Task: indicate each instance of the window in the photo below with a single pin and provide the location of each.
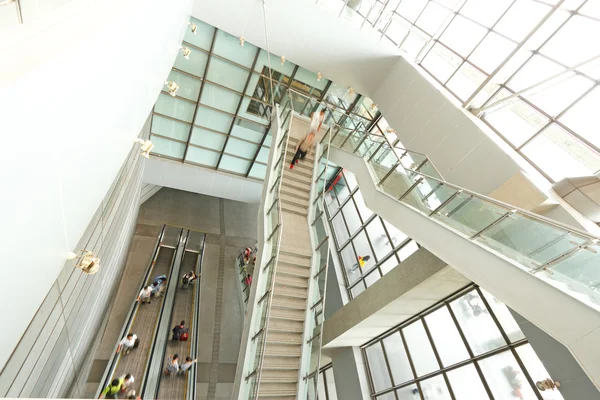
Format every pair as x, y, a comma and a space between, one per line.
446, 349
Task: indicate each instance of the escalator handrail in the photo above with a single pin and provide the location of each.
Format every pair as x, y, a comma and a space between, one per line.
112, 364
160, 315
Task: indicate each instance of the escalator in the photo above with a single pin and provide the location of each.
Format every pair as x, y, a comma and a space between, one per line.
176, 250
144, 318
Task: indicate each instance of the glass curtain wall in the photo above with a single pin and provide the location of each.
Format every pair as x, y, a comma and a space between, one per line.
219, 117
326, 384
466, 347
360, 232
530, 68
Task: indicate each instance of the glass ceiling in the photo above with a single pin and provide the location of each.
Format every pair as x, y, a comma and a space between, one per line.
219, 118
542, 56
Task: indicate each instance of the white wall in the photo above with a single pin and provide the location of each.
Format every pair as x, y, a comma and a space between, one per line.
77, 82
308, 35
192, 178
427, 121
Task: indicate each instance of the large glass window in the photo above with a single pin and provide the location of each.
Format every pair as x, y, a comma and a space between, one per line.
466, 347
226, 90
361, 233
485, 51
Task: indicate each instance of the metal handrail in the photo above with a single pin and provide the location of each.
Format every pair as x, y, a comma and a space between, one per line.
284, 142
112, 365
499, 203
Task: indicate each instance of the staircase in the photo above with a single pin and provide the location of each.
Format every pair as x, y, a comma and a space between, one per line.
281, 359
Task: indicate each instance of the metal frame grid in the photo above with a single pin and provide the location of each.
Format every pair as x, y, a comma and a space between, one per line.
259, 99
494, 68
342, 208
324, 384
508, 346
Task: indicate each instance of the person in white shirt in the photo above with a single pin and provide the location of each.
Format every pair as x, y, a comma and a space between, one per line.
305, 145
127, 382
127, 343
186, 365
145, 294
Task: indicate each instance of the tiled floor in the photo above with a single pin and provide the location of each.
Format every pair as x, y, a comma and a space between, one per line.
229, 224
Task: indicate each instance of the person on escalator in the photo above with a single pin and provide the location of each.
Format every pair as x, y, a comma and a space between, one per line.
173, 365
112, 390
145, 294
305, 145
188, 279
127, 343
179, 330
187, 365
127, 382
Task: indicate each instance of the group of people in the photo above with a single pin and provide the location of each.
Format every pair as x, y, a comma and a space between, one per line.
123, 386
246, 268
180, 333
155, 290
119, 387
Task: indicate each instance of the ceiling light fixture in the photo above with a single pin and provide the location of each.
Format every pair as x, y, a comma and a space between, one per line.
172, 87
242, 41
193, 27
282, 60
186, 52
319, 76
146, 146
88, 262
351, 91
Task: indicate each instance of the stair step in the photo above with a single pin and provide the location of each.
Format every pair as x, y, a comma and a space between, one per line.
289, 183
301, 169
284, 325
295, 254
277, 390
284, 268
275, 376
283, 350
289, 302
291, 281
291, 259
295, 193
281, 363
298, 210
297, 175
293, 200
290, 291
287, 313
285, 337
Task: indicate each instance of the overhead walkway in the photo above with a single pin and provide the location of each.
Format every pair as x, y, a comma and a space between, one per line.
177, 251
547, 271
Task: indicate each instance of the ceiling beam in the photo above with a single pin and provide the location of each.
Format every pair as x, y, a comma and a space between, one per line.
212, 46
237, 110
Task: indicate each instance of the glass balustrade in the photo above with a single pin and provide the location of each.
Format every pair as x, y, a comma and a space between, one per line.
568, 258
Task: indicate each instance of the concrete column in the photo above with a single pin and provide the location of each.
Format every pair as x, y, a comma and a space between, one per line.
350, 373
561, 365
417, 283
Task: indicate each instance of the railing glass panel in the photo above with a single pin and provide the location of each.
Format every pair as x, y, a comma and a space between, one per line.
571, 257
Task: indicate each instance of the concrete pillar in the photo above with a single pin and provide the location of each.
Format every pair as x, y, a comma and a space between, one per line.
350, 373
561, 365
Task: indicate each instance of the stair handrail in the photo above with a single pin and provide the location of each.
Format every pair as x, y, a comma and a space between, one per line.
274, 237
440, 179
